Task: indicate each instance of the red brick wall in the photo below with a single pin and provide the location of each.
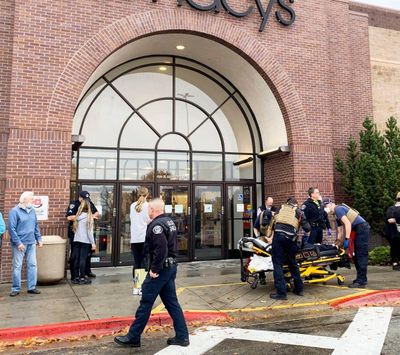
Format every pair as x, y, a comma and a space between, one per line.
310, 67
379, 16
6, 29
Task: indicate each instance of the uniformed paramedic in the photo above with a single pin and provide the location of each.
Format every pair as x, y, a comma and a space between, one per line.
71, 213
314, 212
161, 250
348, 221
284, 247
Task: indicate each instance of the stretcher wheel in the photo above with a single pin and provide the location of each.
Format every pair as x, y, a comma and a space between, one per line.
340, 280
243, 278
254, 284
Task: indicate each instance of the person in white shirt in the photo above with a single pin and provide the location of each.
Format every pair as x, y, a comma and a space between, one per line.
139, 220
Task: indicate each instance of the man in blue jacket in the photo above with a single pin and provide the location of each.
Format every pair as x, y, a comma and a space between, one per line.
24, 235
2, 229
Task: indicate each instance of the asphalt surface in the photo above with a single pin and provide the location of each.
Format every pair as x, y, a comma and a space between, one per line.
330, 323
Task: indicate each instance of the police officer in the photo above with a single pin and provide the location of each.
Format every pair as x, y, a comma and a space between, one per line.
348, 221
284, 247
260, 230
71, 213
161, 250
392, 232
316, 216
269, 201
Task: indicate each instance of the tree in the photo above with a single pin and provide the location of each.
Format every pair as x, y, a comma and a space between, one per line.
370, 173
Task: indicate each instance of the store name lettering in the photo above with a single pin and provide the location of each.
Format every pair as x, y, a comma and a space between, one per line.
285, 15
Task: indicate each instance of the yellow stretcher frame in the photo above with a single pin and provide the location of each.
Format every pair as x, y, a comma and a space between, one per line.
311, 271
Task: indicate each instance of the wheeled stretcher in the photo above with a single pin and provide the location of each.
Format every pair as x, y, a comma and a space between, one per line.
313, 262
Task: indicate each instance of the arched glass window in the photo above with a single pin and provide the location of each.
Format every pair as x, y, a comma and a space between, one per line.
166, 118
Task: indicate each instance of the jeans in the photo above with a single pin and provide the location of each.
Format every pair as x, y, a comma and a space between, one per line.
361, 253
163, 285
316, 236
284, 249
81, 252
31, 269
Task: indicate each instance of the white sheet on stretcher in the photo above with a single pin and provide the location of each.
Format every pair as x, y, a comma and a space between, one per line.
260, 263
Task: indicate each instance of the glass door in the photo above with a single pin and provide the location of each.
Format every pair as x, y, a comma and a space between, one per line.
177, 206
103, 197
240, 206
129, 193
208, 213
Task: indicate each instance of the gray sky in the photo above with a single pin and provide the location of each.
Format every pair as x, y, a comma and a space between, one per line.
392, 4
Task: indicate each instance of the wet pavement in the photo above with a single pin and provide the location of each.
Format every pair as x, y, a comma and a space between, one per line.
201, 286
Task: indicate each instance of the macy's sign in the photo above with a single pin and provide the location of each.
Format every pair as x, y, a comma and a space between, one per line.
285, 15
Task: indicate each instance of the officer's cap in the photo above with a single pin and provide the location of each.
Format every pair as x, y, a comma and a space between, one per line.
326, 201
84, 194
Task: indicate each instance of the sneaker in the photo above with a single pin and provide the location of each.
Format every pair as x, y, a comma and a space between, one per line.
135, 291
34, 291
91, 275
14, 293
75, 281
276, 296
84, 281
180, 342
357, 285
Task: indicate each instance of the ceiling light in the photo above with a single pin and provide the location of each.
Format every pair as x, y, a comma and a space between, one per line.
180, 47
162, 68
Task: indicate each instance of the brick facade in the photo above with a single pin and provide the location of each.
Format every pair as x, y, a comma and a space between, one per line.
318, 70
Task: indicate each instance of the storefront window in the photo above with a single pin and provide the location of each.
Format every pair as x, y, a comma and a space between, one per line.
96, 164
173, 166
136, 165
207, 167
235, 170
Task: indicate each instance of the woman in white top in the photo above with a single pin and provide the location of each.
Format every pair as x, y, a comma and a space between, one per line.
139, 220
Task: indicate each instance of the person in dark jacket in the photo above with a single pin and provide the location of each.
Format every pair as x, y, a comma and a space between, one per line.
161, 249
392, 232
284, 247
314, 213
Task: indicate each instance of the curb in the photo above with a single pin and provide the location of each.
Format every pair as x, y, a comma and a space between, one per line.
370, 299
98, 326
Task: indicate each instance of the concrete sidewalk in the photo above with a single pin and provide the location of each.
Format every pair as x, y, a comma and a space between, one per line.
212, 286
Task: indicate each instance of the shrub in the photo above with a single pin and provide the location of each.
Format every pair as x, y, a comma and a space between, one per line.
379, 256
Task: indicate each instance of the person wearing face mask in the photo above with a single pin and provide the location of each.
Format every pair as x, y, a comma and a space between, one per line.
316, 216
24, 235
355, 229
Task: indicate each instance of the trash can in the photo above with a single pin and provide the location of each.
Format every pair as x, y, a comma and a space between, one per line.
51, 259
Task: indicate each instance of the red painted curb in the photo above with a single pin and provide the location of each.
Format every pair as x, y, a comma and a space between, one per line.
96, 327
369, 299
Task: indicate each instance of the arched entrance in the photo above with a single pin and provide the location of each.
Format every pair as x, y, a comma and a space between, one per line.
184, 131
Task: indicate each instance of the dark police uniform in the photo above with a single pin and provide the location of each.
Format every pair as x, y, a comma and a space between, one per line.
362, 229
263, 220
161, 251
284, 247
72, 211
392, 234
318, 219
